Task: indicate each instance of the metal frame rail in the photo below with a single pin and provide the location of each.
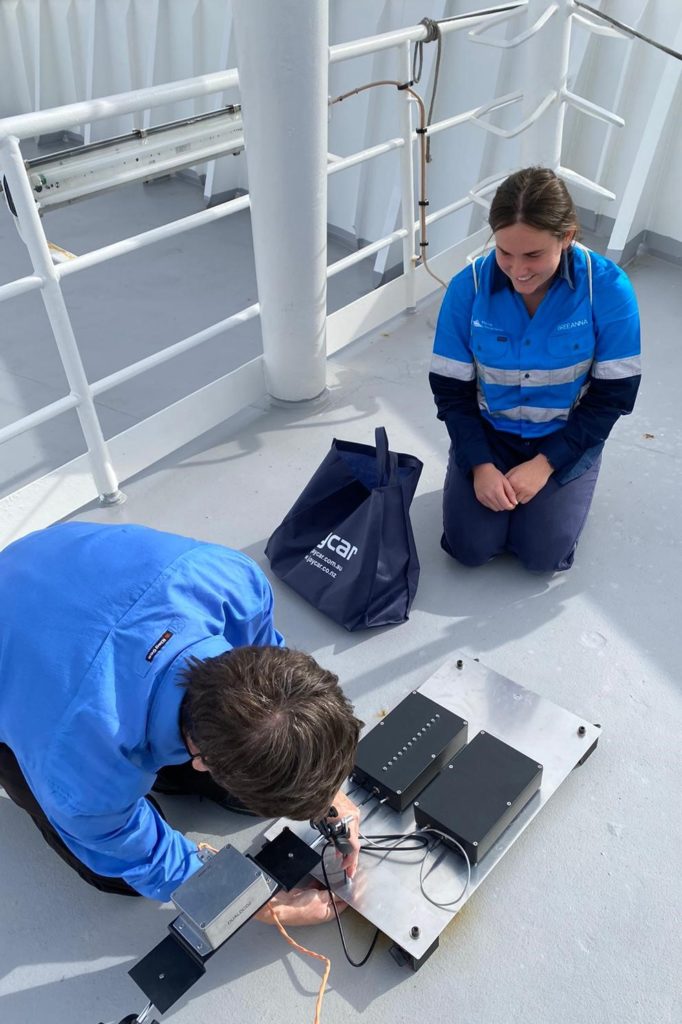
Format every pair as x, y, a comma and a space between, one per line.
107, 462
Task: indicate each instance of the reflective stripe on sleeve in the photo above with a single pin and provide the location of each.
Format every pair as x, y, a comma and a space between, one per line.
452, 368
614, 369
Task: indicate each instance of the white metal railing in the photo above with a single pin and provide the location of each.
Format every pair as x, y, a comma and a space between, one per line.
145, 443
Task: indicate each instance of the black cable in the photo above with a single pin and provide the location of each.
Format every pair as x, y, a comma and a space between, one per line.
397, 842
628, 29
353, 963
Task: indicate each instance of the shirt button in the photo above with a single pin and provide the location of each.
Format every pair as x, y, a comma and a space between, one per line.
526, 375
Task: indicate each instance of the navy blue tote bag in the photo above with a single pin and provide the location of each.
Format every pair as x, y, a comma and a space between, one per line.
346, 545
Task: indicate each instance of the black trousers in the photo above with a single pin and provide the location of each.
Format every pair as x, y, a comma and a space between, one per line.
13, 781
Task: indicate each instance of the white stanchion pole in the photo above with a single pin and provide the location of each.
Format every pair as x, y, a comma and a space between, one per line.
283, 70
34, 238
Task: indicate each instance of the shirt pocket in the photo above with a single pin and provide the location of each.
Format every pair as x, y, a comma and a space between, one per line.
571, 352
490, 346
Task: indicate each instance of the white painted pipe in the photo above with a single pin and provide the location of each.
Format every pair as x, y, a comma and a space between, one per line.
545, 72
57, 119
283, 72
36, 243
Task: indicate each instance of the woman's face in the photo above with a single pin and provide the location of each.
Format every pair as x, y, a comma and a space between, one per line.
529, 257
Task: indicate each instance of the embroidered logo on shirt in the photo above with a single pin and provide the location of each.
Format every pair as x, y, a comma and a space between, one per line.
484, 323
156, 647
572, 323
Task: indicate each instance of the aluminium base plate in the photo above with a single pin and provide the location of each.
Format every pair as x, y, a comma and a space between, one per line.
386, 888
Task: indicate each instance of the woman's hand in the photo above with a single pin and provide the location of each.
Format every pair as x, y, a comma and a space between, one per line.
493, 489
529, 478
300, 907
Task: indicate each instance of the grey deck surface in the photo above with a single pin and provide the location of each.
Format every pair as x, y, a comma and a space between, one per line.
579, 921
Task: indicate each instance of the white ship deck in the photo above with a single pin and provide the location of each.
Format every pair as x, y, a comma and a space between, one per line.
578, 921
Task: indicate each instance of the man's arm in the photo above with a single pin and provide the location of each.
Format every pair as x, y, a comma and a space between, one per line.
135, 844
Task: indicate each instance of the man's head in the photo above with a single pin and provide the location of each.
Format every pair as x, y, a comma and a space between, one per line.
273, 727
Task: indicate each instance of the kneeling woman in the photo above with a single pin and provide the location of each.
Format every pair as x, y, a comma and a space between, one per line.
536, 356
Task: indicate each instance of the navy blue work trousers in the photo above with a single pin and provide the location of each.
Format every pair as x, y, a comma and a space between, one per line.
543, 533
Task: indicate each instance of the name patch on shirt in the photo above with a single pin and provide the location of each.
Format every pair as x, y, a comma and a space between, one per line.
156, 647
572, 323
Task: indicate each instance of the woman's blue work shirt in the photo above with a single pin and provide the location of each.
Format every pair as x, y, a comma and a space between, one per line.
96, 626
555, 382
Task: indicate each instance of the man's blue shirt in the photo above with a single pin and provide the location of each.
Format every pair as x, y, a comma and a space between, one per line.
96, 626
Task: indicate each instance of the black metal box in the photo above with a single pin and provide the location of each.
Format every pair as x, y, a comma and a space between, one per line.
407, 748
479, 794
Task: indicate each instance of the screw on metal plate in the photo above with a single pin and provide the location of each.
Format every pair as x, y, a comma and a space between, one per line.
460, 663
381, 723
581, 730
475, 844
399, 792
416, 803
481, 733
508, 803
290, 855
414, 931
433, 757
450, 766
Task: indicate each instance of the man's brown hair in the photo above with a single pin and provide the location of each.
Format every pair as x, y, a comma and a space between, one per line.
273, 727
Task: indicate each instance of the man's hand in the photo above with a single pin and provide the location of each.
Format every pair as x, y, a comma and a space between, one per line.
493, 489
346, 808
300, 906
529, 478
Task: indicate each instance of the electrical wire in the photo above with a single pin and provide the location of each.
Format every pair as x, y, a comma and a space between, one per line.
627, 28
353, 963
421, 132
444, 904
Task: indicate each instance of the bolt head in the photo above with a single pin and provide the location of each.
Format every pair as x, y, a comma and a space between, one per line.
414, 931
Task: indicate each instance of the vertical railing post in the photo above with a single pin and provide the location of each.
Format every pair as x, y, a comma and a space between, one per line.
407, 183
34, 238
283, 63
546, 68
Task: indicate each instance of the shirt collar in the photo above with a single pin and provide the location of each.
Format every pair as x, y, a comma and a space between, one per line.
166, 743
499, 279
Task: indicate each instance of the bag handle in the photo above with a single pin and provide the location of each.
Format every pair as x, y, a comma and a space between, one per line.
387, 462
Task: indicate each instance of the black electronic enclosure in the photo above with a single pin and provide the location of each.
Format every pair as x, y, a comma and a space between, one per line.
479, 794
401, 754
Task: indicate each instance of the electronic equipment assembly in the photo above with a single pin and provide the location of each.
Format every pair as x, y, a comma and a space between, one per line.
407, 749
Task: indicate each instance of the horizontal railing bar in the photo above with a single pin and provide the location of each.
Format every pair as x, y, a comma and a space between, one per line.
470, 115
341, 163
135, 242
55, 119
445, 211
364, 252
415, 33
34, 419
142, 365
20, 286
